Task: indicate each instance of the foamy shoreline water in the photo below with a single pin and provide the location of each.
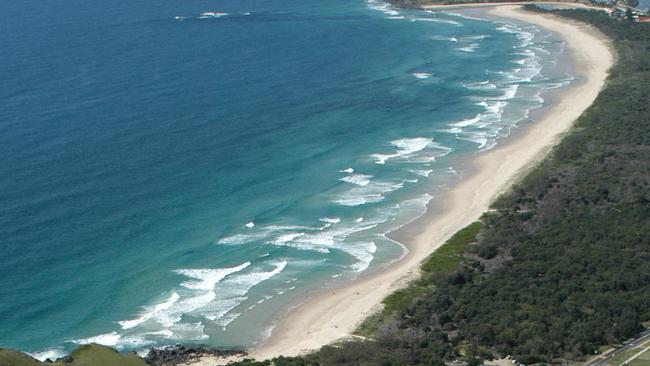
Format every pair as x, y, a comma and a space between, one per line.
327, 317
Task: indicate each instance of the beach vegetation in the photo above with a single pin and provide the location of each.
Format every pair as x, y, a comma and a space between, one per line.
442, 261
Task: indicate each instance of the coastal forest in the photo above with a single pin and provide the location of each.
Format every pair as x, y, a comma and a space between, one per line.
560, 267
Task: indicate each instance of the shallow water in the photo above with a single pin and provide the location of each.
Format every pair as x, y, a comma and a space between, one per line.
174, 175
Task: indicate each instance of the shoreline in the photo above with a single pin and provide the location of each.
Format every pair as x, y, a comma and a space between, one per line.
326, 317
559, 4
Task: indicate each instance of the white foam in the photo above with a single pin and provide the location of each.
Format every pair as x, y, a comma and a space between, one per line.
434, 151
422, 75
507, 28
280, 234
453, 130
218, 310
239, 285
485, 127
363, 252
273, 228
541, 50
107, 339
493, 106
250, 225
553, 85
470, 48
481, 85
477, 138
189, 331
465, 16
165, 333
525, 37
467, 122
479, 37
51, 353
242, 238
143, 352
509, 92
417, 205
286, 238
199, 293
334, 220
337, 238
443, 38
421, 172
360, 250
382, 6
307, 263
437, 20
370, 193
207, 278
229, 294
149, 313
405, 147
262, 234
212, 14
530, 68
357, 179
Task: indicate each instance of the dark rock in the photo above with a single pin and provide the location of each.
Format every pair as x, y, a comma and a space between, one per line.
174, 355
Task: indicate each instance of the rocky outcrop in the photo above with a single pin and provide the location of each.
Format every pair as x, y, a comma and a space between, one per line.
174, 355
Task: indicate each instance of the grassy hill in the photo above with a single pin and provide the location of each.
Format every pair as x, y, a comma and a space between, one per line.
87, 355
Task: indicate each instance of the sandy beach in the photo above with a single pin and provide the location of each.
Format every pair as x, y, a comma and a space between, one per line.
557, 4
330, 316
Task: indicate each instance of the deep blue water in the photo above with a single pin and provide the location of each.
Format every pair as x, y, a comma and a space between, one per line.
169, 176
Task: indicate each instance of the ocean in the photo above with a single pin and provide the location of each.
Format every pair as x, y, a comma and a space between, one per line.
644, 5
186, 171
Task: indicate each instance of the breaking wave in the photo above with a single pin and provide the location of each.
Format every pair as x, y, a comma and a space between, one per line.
382, 6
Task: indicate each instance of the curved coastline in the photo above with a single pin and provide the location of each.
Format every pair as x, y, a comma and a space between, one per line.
335, 314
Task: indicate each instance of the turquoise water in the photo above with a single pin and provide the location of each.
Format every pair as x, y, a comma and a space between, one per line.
173, 175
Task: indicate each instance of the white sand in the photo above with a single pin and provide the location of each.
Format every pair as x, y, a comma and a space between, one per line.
331, 316
557, 4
